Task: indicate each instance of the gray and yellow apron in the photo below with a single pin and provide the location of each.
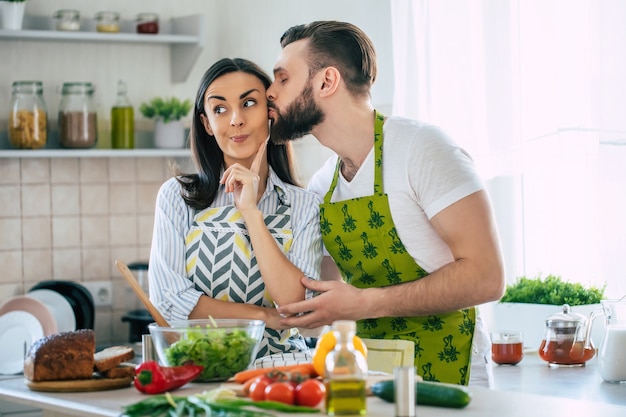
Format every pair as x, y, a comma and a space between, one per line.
362, 239
221, 263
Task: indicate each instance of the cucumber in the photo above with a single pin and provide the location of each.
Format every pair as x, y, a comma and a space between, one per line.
427, 393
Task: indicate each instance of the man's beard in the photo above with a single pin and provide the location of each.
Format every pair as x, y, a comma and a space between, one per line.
299, 118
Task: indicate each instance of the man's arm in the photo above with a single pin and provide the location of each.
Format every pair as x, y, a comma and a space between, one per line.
475, 276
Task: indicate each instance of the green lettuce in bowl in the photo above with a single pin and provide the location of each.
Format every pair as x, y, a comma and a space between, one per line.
223, 346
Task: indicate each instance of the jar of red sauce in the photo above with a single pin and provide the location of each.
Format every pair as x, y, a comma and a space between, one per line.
148, 23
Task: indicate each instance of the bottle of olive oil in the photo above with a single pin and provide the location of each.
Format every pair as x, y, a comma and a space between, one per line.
122, 120
345, 373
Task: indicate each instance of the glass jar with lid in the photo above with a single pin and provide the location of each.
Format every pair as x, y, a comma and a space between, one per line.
28, 116
148, 23
68, 20
108, 22
77, 115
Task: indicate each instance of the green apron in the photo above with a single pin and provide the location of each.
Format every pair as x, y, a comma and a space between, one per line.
362, 239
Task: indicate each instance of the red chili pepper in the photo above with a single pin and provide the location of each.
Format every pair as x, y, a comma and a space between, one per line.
152, 378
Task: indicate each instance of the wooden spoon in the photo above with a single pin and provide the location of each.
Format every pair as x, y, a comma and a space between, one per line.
130, 278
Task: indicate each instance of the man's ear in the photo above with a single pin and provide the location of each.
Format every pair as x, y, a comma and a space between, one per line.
330, 81
207, 125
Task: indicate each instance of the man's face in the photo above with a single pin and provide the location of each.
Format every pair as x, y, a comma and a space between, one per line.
292, 105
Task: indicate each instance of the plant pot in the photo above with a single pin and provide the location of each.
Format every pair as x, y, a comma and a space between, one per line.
169, 135
11, 14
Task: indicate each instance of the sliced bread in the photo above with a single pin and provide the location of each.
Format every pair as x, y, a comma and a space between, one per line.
111, 357
123, 370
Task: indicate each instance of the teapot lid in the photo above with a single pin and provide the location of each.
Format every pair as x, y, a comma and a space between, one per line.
565, 318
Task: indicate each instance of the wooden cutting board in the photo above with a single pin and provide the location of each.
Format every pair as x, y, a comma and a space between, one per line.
80, 385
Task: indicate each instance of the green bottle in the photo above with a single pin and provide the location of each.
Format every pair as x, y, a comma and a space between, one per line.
122, 120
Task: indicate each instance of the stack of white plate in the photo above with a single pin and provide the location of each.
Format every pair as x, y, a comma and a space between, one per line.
23, 321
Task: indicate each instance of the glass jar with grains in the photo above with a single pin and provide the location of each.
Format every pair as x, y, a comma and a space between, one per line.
108, 22
77, 116
28, 116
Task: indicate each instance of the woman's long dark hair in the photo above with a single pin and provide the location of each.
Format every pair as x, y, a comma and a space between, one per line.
199, 189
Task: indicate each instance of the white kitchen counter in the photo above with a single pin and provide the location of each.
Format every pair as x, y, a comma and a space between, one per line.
485, 402
533, 375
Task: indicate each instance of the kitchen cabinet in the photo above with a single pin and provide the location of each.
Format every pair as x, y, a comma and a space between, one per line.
183, 35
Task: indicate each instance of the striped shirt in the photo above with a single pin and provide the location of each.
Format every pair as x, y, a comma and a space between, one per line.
171, 291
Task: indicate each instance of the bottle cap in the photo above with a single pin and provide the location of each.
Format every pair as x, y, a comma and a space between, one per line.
404, 381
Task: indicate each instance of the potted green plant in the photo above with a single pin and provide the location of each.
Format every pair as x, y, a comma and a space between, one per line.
169, 131
12, 14
529, 301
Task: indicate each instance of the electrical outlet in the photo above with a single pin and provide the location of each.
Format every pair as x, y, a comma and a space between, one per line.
101, 291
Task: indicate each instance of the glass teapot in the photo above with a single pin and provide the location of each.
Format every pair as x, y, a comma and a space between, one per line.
566, 341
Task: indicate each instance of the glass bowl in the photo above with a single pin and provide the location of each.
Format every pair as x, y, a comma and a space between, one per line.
223, 346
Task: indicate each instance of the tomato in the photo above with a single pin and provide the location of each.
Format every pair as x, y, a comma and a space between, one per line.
280, 391
257, 387
310, 393
325, 344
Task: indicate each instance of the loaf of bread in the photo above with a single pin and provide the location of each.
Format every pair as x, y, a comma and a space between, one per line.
61, 356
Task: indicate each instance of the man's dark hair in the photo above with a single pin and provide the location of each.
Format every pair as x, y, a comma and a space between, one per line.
341, 45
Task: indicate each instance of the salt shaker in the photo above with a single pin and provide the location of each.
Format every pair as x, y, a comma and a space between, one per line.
404, 381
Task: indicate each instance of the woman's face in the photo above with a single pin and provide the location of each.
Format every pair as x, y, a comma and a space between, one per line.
236, 114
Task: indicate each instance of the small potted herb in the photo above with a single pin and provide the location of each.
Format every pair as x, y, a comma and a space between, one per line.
551, 290
169, 131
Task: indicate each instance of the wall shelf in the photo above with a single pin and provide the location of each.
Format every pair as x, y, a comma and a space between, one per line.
94, 153
184, 36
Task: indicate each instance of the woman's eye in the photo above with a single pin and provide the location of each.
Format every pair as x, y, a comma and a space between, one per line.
249, 103
219, 110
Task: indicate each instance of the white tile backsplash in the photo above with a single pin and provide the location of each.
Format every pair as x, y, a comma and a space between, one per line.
94, 198
36, 233
35, 170
10, 171
9, 200
36, 200
65, 199
11, 232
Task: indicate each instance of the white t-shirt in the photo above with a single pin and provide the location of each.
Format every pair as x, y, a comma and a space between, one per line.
424, 172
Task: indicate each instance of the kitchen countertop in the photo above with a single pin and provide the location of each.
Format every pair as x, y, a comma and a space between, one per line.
522, 390
533, 375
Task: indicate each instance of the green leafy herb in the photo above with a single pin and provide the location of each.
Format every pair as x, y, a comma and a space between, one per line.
207, 404
165, 109
551, 290
222, 353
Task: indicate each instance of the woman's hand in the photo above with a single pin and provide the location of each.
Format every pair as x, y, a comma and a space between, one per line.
244, 182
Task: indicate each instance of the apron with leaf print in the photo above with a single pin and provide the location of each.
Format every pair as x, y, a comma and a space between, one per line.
221, 263
362, 239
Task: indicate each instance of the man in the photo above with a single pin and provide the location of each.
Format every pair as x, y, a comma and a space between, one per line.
405, 217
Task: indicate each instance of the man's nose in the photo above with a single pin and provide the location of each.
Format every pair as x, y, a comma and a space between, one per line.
270, 93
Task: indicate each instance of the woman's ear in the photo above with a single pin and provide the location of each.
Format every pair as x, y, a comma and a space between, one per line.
330, 81
207, 125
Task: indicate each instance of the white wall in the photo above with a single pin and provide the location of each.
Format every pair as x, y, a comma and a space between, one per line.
234, 28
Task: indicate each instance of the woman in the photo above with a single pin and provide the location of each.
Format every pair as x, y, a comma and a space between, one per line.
234, 239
